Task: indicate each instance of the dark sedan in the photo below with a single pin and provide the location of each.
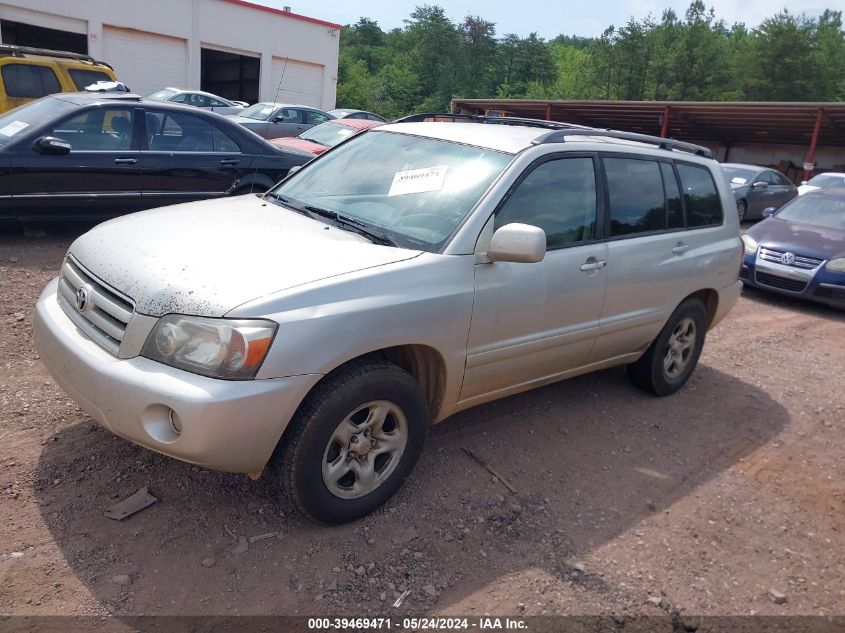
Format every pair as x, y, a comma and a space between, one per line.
756, 188
800, 249
85, 156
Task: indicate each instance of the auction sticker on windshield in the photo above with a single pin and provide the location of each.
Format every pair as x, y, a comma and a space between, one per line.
418, 181
13, 128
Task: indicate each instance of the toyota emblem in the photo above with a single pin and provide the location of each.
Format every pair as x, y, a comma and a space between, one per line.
82, 298
787, 259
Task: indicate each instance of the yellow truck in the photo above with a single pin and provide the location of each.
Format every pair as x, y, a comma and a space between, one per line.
30, 73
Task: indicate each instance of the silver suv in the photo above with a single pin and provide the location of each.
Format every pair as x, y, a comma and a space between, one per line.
416, 270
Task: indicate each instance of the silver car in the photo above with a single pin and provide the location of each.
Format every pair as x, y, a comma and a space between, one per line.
278, 120
315, 332
198, 99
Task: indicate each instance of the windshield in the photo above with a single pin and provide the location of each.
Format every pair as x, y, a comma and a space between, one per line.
161, 95
827, 180
259, 111
414, 190
816, 209
739, 175
30, 115
328, 134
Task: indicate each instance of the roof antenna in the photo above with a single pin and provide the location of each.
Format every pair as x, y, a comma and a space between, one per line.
275, 100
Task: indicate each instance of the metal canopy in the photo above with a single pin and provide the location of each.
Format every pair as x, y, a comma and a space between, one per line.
724, 122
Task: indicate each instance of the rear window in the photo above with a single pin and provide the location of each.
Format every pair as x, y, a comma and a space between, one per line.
700, 196
29, 81
82, 77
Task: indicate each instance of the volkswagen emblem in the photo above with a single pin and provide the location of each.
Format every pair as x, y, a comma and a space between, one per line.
787, 259
82, 298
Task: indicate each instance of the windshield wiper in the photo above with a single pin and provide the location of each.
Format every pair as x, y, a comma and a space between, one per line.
352, 224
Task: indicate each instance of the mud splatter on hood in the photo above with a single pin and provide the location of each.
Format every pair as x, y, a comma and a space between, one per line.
206, 258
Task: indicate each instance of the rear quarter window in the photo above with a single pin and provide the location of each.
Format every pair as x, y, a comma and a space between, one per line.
82, 77
701, 198
29, 81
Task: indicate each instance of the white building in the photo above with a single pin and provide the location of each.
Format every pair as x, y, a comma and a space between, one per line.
233, 48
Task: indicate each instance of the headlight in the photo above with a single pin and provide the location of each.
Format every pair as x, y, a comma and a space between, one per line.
220, 348
836, 265
750, 244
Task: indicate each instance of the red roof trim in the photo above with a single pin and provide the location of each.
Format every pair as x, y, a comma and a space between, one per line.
288, 14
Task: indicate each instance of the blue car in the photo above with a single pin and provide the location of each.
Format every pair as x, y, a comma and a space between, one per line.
799, 250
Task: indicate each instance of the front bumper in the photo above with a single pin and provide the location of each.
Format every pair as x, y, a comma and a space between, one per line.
223, 425
821, 287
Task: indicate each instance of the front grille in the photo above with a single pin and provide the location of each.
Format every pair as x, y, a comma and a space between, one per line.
805, 263
793, 285
106, 314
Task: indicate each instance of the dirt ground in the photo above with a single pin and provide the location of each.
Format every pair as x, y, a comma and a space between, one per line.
725, 499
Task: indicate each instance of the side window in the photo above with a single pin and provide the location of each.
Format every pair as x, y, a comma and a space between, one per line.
214, 103
180, 132
200, 101
674, 204
82, 77
182, 97
769, 177
315, 118
637, 204
289, 115
559, 196
223, 143
103, 130
700, 196
29, 81
781, 179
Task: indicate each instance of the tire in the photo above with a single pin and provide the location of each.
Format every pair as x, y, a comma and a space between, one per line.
741, 209
654, 372
332, 480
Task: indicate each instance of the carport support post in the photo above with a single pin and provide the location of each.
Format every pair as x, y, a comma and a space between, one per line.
548, 112
811, 153
664, 130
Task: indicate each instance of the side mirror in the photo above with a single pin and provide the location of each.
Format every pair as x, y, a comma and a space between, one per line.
520, 243
278, 119
51, 145
769, 212
760, 185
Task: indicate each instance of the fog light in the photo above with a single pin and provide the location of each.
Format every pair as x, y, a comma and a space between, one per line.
175, 422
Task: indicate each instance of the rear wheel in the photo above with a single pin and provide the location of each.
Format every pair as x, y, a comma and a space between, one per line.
741, 209
353, 442
671, 358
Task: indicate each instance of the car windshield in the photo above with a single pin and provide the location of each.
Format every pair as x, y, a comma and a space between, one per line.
739, 175
29, 115
328, 134
827, 180
161, 95
414, 190
816, 209
259, 111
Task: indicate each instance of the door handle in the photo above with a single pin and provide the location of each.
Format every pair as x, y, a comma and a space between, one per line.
592, 264
125, 161
229, 162
680, 248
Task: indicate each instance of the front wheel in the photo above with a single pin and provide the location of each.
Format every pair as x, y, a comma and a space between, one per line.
353, 442
671, 358
741, 209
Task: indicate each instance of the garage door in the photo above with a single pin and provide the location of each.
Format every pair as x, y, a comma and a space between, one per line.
144, 61
300, 82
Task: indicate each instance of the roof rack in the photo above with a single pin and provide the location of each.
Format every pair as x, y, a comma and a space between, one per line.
667, 144
14, 50
481, 118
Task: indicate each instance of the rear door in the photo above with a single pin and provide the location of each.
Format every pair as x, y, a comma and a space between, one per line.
100, 175
185, 157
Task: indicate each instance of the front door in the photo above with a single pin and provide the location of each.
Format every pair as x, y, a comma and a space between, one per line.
98, 177
533, 323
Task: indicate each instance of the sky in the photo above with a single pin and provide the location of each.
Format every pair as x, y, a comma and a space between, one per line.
547, 18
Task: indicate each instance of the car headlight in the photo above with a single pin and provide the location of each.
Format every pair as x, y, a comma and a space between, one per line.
836, 265
750, 244
219, 348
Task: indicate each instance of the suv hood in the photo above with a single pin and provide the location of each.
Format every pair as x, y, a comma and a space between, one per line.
802, 239
206, 258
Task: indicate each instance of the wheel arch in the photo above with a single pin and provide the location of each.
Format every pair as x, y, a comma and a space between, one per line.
710, 298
